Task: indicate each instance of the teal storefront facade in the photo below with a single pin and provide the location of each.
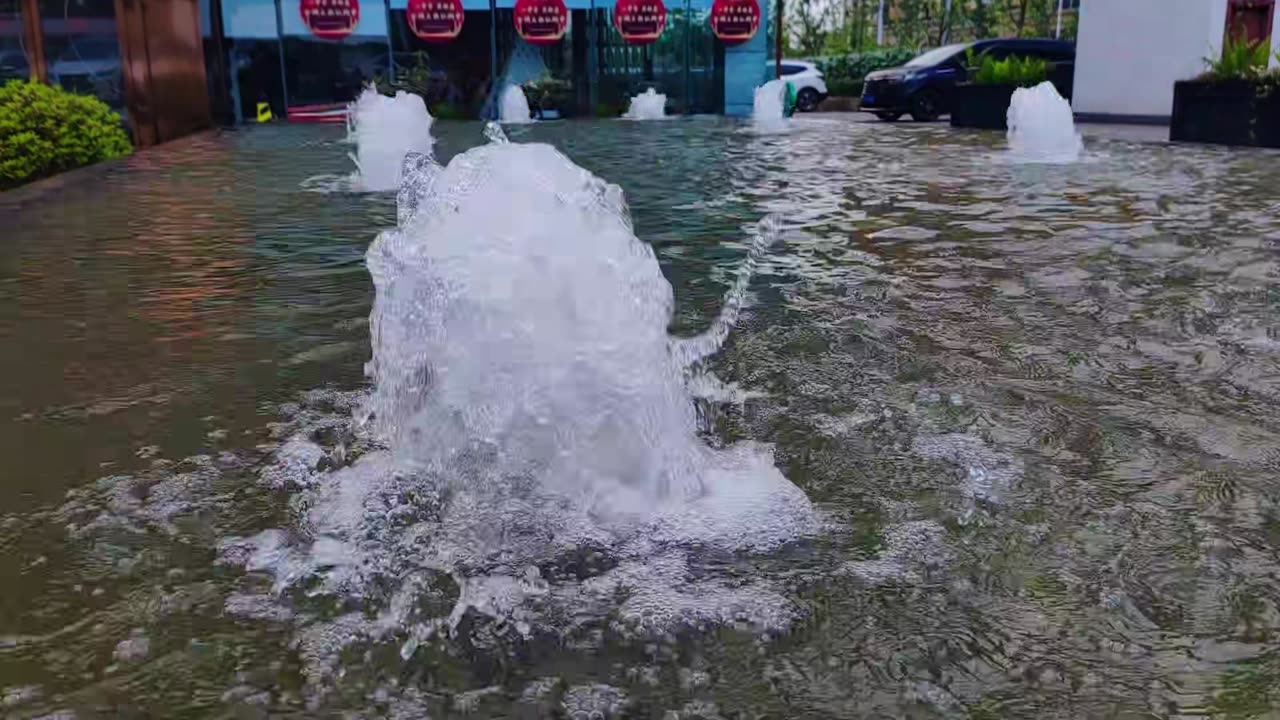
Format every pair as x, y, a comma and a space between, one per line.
263, 54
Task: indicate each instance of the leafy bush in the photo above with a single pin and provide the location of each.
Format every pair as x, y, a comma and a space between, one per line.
45, 130
1013, 70
853, 67
1240, 60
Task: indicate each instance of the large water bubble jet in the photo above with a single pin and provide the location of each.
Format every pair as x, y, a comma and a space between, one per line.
768, 111
384, 131
536, 452
1041, 126
513, 106
648, 105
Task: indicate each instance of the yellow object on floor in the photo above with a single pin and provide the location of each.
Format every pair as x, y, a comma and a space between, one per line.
264, 112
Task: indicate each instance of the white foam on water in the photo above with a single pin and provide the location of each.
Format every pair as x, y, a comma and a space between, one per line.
1041, 127
648, 105
385, 130
513, 106
768, 108
538, 459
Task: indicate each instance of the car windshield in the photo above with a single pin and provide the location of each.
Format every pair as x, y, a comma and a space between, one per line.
937, 55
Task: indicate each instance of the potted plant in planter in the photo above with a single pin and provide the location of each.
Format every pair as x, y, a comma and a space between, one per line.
1235, 102
983, 102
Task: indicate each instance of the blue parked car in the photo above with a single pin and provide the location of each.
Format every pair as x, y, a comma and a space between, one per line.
923, 87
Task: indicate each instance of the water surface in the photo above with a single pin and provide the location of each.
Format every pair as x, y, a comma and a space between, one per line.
1034, 403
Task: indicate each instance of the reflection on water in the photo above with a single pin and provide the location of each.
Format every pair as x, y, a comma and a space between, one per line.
1035, 404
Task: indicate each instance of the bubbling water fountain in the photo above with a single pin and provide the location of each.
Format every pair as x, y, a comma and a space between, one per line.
385, 130
513, 106
768, 112
542, 331
528, 406
648, 105
1041, 126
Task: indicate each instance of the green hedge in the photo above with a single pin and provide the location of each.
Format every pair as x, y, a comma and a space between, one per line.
45, 130
843, 71
844, 88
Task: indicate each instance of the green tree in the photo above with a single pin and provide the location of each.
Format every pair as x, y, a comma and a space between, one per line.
979, 17
807, 22
1016, 15
1043, 16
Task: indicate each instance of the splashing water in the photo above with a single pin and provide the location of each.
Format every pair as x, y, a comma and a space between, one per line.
768, 108
541, 333
534, 442
648, 105
513, 106
385, 130
1041, 126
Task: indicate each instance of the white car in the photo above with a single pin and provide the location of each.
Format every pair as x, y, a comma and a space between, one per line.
811, 89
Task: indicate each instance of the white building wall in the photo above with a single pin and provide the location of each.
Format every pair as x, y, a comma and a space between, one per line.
1275, 35
1130, 52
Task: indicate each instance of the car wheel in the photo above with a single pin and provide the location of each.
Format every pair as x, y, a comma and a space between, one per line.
888, 116
925, 106
807, 100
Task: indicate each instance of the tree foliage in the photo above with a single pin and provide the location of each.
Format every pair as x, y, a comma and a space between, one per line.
835, 27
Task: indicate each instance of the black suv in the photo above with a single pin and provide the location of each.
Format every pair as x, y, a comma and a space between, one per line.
923, 86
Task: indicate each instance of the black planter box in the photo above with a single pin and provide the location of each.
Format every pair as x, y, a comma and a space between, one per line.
981, 106
1225, 113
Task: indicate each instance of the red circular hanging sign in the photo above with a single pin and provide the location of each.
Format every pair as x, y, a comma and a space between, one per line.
541, 22
640, 22
735, 21
435, 20
330, 19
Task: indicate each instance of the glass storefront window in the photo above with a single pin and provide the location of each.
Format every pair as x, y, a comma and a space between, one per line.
276, 57
554, 77
253, 67
82, 48
324, 68
256, 78
332, 71
686, 63
13, 56
452, 76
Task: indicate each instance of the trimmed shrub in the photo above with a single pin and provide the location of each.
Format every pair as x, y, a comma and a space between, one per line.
844, 88
45, 130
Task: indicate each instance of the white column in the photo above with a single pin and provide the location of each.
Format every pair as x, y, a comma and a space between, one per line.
1275, 38
1058, 33
880, 24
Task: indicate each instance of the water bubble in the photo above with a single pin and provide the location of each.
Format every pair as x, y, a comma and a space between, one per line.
1041, 126
648, 105
768, 112
513, 106
385, 130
